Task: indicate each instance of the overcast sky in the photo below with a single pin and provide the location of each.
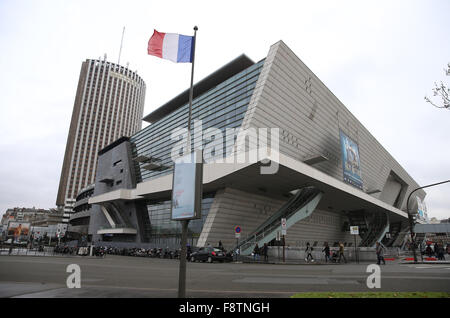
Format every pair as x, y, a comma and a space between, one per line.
380, 58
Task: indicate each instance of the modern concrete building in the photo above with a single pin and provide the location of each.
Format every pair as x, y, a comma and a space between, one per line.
109, 104
317, 166
79, 219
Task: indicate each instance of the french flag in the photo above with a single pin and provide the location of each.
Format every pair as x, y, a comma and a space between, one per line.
171, 46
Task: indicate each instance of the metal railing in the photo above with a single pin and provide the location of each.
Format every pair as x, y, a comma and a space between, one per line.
298, 201
117, 226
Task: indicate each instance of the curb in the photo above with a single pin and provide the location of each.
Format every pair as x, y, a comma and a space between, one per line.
427, 262
315, 263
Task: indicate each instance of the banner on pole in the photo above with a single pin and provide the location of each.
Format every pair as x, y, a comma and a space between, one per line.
187, 187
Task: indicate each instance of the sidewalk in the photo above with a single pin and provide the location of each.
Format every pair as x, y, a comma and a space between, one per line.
425, 262
250, 260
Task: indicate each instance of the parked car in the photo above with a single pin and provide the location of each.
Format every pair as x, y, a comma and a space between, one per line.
208, 254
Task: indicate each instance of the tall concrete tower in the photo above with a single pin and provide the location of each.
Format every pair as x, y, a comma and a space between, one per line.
109, 104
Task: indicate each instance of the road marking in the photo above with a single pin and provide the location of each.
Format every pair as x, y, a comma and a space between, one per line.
434, 267
295, 281
59, 288
191, 290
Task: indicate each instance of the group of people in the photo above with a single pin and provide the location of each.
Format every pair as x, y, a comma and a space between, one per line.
335, 257
264, 251
438, 251
379, 250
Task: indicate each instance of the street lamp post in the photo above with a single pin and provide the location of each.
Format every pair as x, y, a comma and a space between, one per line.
410, 217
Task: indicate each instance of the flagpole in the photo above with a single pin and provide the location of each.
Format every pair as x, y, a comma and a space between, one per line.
191, 91
121, 42
185, 223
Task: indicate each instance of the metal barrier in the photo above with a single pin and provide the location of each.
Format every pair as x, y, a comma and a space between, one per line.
35, 251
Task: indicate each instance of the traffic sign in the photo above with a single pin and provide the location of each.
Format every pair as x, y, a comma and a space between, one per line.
237, 232
354, 230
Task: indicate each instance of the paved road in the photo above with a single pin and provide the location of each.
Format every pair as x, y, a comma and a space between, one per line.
120, 276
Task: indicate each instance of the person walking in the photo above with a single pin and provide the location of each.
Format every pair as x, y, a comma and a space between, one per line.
436, 249
308, 252
256, 253
188, 251
326, 250
428, 250
341, 252
380, 255
441, 256
220, 246
266, 252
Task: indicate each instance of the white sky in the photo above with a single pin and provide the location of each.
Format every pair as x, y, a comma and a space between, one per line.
380, 58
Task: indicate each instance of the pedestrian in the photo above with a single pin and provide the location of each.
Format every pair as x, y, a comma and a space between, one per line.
341, 252
238, 251
188, 251
428, 250
326, 250
256, 253
220, 246
308, 252
266, 252
441, 256
436, 249
379, 250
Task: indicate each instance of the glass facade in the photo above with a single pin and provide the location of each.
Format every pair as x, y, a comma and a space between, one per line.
221, 107
164, 231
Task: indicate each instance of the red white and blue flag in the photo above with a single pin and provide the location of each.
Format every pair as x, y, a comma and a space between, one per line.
171, 46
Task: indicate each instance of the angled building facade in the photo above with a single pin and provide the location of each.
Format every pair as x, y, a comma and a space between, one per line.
109, 104
331, 173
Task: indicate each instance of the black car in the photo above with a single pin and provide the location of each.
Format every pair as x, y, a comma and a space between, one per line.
208, 254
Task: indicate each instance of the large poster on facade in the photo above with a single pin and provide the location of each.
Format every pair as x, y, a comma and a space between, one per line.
19, 231
187, 188
350, 161
422, 209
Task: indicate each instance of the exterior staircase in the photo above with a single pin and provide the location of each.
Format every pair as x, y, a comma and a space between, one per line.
299, 207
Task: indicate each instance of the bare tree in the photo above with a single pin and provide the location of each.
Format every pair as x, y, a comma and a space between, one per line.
443, 91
